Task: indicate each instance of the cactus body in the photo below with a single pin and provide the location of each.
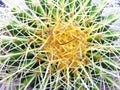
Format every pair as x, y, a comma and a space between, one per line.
60, 45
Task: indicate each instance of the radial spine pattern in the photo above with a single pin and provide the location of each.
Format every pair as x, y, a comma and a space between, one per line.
60, 45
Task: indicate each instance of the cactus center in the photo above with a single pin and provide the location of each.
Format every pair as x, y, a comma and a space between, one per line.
67, 45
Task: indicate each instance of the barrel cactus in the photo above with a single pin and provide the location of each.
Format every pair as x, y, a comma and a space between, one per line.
60, 45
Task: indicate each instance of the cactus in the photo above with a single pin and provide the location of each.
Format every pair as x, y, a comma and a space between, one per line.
60, 45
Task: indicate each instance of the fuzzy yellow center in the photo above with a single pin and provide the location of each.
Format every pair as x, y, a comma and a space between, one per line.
67, 45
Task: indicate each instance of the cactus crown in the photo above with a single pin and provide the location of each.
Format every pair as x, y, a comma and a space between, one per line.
60, 44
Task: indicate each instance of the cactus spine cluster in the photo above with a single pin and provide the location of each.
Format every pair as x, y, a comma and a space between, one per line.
60, 45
